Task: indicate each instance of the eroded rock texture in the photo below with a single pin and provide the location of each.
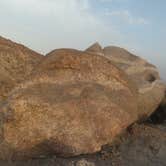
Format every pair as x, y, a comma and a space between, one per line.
142, 73
73, 104
141, 145
16, 64
95, 48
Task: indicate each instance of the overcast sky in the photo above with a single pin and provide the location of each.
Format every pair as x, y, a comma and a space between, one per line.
43, 25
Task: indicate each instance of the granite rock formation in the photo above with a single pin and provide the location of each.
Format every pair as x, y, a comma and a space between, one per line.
145, 76
71, 103
74, 103
16, 64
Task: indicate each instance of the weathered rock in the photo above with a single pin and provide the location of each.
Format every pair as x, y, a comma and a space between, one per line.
145, 146
159, 116
164, 100
16, 63
141, 145
73, 104
6, 84
143, 74
150, 97
96, 49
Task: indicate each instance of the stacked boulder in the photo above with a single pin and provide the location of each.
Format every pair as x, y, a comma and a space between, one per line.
146, 77
72, 102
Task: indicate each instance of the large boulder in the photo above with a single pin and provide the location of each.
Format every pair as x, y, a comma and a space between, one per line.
16, 63
143, 74
73, 104
137, 68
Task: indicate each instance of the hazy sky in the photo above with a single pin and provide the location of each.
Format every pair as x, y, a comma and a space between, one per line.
43, 25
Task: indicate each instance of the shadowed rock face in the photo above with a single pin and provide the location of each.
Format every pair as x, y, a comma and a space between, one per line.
16, 63
159, 116
73, 104
142, 73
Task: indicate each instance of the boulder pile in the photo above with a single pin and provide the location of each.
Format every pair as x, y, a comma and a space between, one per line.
71, 102
151, 90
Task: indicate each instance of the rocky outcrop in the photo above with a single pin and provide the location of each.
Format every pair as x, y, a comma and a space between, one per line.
146, 145
16, 63
150, 99
71, 103
6, 85
96, 49
141, 145
142, 73
74, 103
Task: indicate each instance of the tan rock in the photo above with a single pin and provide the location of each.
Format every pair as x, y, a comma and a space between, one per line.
164, 99
145, 76
73, 104
150, 97
6, 84
16, 63
137, 68
84, 162
96, 49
